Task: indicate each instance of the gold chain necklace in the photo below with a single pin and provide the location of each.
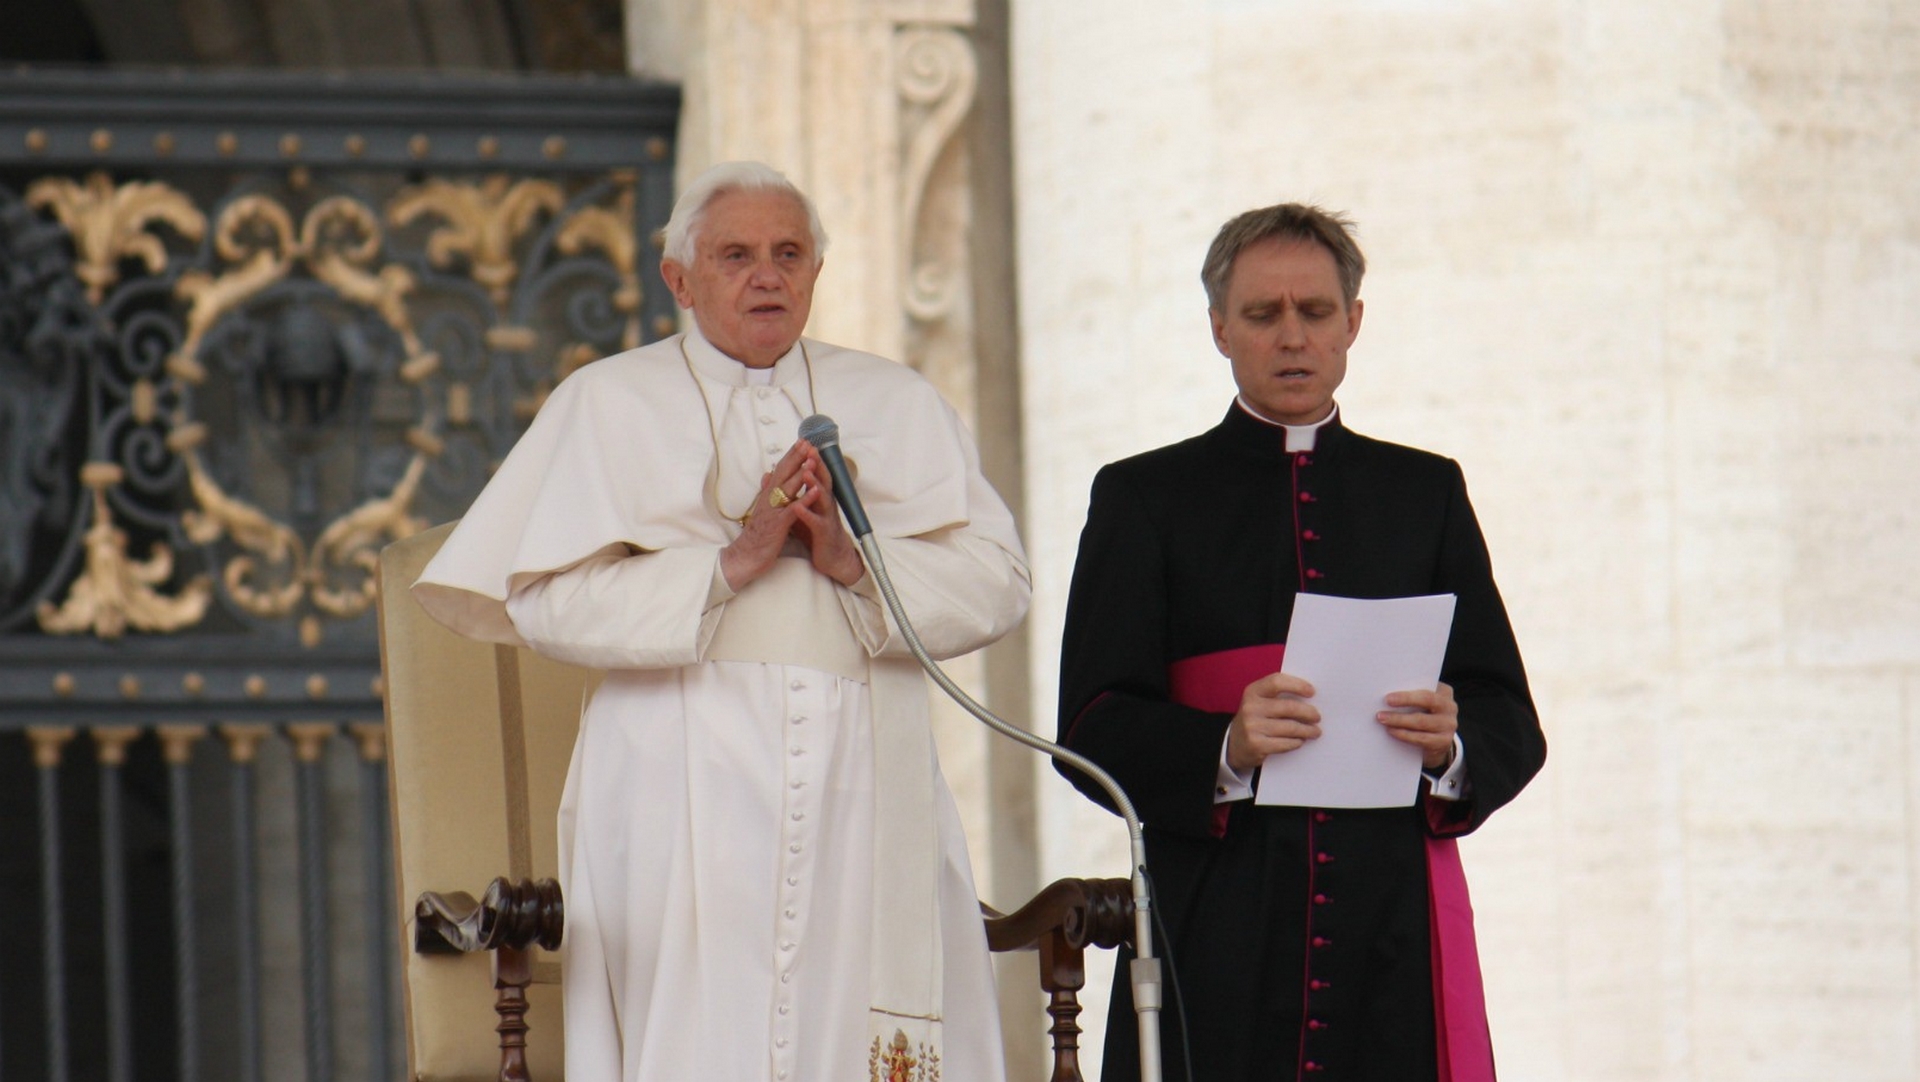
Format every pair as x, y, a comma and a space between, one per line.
713, 430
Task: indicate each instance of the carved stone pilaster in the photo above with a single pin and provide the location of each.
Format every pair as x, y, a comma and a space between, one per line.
936, 75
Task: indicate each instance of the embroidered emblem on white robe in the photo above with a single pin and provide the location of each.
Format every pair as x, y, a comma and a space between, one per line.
900, 1060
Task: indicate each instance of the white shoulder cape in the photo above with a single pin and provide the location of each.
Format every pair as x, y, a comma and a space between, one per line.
621, 451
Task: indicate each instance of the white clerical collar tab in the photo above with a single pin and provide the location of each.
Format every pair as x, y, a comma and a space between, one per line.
1299, 437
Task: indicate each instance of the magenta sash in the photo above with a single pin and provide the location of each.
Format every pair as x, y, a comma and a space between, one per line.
1465, 1051
1215, 683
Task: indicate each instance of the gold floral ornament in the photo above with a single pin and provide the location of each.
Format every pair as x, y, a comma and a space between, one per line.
109, 224
484, 221
116, 591
611, 230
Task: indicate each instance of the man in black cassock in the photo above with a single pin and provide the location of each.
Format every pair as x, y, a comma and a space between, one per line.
1309, 943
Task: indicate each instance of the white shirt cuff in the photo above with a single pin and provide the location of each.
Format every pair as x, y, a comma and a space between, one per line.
1451, 785
718, 591
1229, 784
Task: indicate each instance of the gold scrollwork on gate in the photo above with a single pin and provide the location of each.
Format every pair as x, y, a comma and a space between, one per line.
355, 538
250, 528
340, 239
611, 230
257, 235
258, 242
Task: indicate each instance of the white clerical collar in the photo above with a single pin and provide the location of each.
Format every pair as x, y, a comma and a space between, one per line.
712, 364
1299, 437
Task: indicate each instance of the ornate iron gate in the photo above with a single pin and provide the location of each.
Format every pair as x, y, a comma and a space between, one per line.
252, 328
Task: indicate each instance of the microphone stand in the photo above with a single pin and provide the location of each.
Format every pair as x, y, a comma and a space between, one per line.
1145, 970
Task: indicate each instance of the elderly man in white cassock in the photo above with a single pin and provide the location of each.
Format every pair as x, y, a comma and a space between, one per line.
765, 874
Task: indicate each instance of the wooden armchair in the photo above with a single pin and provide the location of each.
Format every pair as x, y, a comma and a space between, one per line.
479, 739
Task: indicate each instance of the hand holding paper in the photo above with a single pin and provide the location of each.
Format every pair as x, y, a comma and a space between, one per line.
1274, 718
1355, 653
1425, 719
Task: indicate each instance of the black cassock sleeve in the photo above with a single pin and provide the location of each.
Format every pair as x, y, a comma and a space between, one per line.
1499, 728
1114, 705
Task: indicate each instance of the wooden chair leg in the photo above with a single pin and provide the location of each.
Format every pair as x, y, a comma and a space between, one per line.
1063, 973
511, 975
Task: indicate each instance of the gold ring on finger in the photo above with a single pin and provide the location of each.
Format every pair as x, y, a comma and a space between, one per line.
778, 497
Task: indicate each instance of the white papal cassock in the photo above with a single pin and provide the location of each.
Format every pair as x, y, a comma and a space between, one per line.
764, 871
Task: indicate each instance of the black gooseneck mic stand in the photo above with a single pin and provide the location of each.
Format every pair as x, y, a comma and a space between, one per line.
1145, 977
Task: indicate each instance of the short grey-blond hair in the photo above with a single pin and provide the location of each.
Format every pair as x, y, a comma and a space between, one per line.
691, 209
1291, 221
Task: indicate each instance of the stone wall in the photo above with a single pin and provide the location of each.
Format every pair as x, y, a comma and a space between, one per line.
1647, 269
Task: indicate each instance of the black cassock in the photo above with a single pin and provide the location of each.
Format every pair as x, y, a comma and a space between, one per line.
1300, 935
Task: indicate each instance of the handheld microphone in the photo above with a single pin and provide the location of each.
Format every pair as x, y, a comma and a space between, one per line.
820, 431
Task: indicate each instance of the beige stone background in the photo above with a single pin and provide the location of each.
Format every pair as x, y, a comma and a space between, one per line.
1650, 269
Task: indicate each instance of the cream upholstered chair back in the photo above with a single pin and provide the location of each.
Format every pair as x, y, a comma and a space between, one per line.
479, 740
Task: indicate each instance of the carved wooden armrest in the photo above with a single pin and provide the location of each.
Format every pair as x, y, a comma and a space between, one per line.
513, 915
509, 920
1061, 922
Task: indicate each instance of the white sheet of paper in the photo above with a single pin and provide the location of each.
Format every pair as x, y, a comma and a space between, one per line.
1354, 652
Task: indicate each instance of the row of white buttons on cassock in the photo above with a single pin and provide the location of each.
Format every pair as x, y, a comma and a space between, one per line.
794, 860
795, 864
774, 450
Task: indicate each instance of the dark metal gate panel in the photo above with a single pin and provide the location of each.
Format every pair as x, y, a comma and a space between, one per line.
252, 328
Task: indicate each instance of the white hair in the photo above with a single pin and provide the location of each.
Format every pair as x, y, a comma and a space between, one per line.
691, 209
